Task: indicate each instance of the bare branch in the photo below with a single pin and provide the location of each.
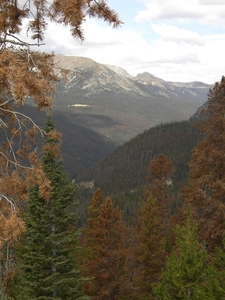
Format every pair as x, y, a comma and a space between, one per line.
16, 113
14, 162
9, 200
19, 43
6, 102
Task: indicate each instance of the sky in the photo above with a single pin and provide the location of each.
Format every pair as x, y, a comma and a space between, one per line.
176, 40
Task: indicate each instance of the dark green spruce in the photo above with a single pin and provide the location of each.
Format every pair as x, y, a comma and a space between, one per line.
47, 256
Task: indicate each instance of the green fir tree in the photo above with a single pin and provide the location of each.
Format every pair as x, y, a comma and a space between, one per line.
220, 264
188, 273
47, 264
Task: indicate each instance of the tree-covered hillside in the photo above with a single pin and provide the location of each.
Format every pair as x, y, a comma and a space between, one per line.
124, 171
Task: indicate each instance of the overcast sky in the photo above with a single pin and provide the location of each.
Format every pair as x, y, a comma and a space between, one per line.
176, 40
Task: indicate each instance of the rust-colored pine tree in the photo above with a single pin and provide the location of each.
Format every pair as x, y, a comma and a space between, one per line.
105, 258
27, 73
94, 208
159, 178
152, 227
159, 185
150, 250
87, 239
206, 191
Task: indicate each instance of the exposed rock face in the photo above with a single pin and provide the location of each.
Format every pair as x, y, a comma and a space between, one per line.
118, 70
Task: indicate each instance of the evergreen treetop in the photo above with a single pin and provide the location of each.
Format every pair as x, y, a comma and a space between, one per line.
47, 257
188, 273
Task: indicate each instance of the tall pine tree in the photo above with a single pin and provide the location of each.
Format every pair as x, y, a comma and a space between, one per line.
206, 191
152, 227
104, 258
150, 249
188, 273
47, 265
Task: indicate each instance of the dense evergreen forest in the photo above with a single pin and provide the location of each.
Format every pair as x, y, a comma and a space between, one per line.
126, 168
122, 174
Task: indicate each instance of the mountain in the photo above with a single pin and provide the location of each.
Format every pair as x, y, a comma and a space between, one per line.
109, 101
182, 90
101, 107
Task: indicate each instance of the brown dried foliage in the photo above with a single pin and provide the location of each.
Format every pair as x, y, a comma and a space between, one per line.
159, 179
25, 73
150, 248
152, 228
105, 253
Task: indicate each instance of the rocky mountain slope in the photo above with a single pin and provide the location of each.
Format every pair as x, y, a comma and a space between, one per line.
118, 106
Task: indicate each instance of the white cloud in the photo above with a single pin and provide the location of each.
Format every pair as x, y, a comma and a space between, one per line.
182, 62
105, 45
205, 11
169, 32
211, 2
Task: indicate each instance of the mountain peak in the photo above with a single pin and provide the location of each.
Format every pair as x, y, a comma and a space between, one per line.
118, 70
148, 75
147, 78
74, 62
